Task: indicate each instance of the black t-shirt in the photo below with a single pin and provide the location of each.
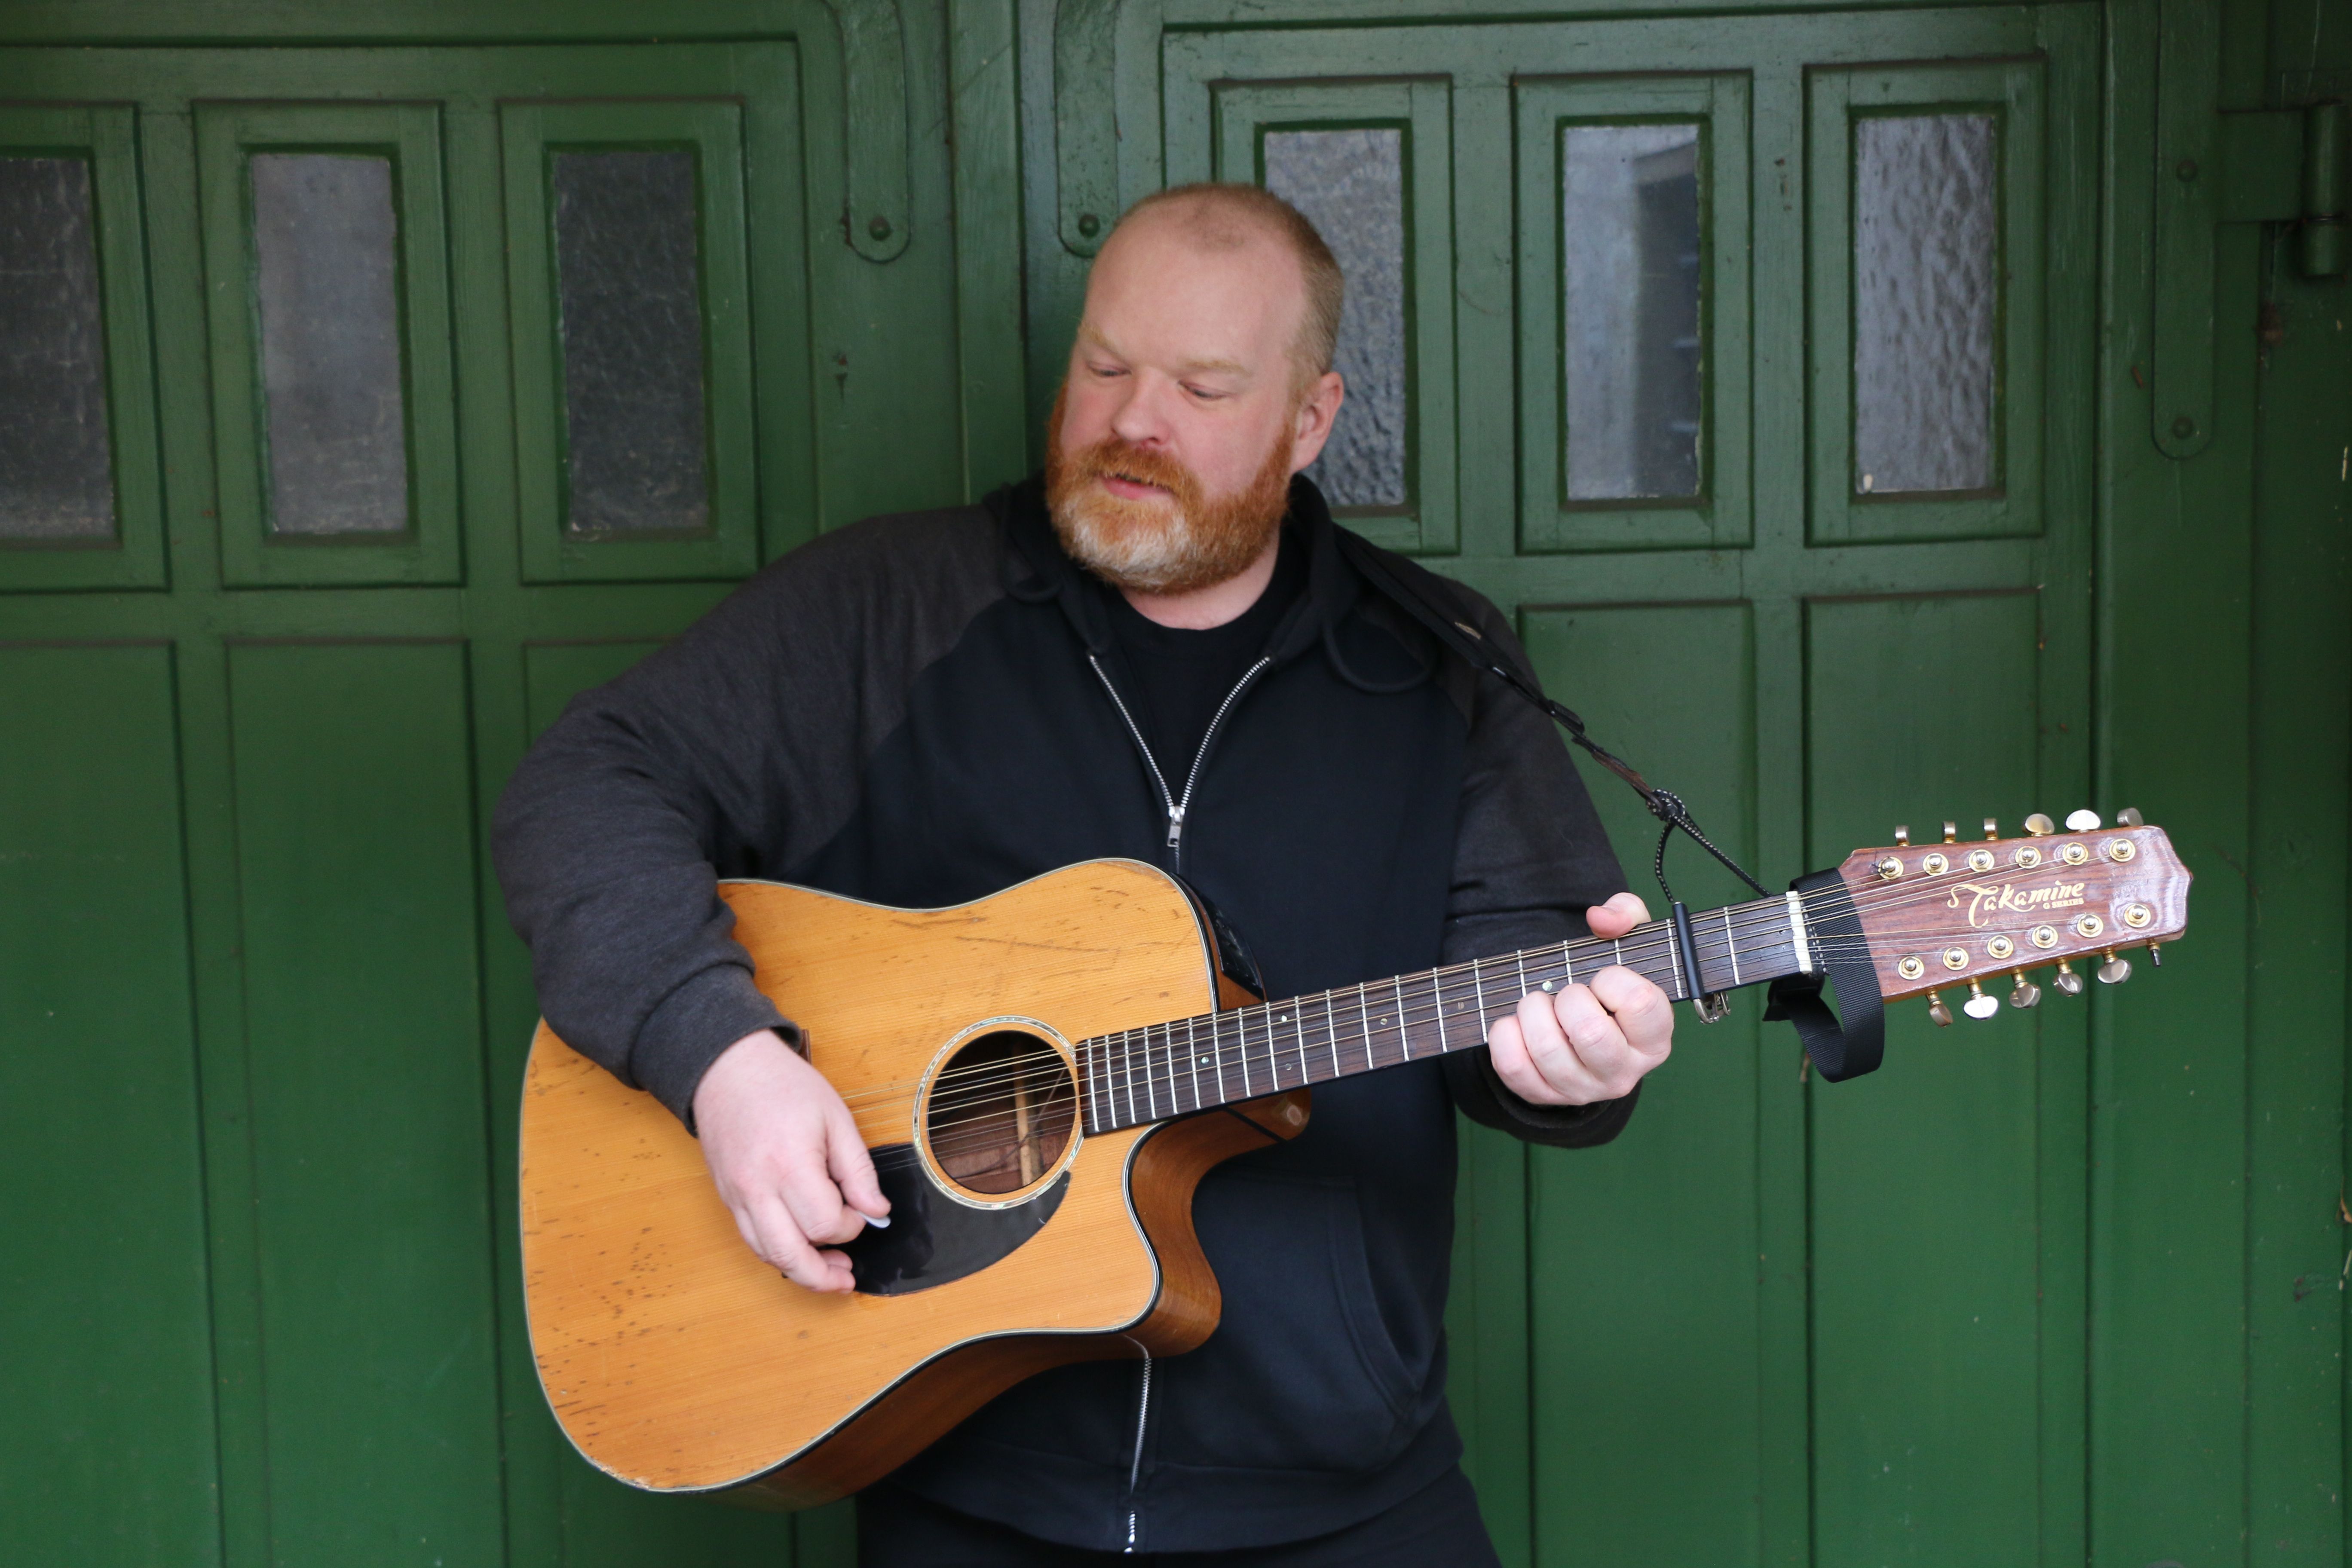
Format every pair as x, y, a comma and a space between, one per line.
1180, 677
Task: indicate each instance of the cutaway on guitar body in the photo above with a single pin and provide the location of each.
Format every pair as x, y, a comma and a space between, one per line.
676, 1361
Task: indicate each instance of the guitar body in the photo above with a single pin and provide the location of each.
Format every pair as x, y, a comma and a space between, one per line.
676, 1361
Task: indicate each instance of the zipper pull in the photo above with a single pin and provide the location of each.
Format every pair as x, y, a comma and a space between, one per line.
1175, 826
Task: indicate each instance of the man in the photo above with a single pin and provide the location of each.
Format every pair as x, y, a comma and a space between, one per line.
1160, 653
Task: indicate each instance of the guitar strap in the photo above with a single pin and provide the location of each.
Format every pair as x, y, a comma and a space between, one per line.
1838, 1050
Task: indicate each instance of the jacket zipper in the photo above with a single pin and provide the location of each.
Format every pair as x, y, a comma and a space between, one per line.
1135, 1465
1176, 804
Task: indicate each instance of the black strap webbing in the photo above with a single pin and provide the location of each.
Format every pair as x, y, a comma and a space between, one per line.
1839, 1051
1836, 1053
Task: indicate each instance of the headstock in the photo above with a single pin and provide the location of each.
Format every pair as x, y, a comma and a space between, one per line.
1957, 914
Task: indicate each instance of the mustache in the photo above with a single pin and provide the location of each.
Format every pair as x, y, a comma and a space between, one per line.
1113, 457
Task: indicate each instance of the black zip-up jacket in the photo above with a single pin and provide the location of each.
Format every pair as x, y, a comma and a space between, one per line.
919, 711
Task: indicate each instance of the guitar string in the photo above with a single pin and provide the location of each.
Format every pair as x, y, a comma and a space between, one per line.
1111, 1059
1119, 1074
1648, 942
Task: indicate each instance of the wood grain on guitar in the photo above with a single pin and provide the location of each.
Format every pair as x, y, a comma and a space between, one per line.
1050, 1072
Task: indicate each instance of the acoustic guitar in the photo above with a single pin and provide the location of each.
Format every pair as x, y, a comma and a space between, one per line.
1042, 1078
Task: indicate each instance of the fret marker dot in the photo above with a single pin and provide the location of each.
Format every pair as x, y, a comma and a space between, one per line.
1548, 987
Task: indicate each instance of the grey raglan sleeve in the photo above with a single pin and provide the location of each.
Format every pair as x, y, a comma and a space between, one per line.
610, 836
1530, 858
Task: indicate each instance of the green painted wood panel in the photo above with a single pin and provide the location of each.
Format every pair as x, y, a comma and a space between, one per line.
1642, 1270
107, 1451
1924, 1319
355, 852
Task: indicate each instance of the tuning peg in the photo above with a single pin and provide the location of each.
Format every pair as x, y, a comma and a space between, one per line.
2066, 980
2027, 993
1902, 835
2081, 821
2129, 817
1978, 1005
1951, 833
2155, 956
1937, 1011
2039, 823
1992, 829
2115, 971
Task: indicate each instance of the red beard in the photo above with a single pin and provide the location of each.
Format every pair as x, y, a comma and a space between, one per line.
1153, 546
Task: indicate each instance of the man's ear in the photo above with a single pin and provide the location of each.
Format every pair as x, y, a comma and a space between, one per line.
1311, 426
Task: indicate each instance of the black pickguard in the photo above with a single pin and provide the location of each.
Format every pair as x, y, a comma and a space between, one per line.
931, 1238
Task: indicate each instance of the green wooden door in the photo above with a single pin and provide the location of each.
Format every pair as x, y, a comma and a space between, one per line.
1780, 462
1784, 373
429, 384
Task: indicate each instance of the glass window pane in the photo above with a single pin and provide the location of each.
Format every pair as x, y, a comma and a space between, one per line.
1630, 311
56, 478
1923, 303
326, 271
630, 298
1350, 185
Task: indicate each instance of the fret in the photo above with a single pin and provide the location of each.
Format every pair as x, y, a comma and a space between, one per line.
1298, 1027
1241, 1025
1094, 1092
1331, 1031
1192, 1060
1364, 1007
1127, 1066
1437, 995
1680, 988
1403, 1039
1730, 947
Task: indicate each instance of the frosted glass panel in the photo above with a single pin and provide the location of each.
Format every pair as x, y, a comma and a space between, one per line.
628, 276
1350, 185
1630, 314
56, 481
1923, 303
326, 272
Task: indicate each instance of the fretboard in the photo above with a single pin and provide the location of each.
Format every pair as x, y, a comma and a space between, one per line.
1163, 1070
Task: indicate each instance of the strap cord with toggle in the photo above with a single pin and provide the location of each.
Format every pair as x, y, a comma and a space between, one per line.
1838, 1051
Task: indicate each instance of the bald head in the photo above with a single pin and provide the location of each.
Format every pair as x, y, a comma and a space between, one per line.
1223, 219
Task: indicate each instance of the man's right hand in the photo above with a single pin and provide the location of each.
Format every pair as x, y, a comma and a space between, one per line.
784, 1153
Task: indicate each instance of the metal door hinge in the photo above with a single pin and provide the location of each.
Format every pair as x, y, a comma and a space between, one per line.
2277, 165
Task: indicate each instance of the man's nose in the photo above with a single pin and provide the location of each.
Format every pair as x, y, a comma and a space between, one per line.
1142, 418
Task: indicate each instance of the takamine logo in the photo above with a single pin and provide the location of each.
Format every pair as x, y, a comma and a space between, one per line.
2009, 900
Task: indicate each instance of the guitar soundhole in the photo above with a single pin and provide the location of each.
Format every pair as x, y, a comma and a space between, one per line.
1000, 1112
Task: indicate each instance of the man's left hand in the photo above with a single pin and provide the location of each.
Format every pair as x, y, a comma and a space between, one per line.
1587, 1043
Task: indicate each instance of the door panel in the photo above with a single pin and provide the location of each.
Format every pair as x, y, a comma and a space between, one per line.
1924, 1211
108, 1452
1733, 259
364, 1040
1642, 1254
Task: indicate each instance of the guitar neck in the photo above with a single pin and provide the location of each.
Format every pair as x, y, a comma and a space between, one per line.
1163, 1070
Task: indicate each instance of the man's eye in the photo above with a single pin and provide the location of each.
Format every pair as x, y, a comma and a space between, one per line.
1204, 394
1107, 370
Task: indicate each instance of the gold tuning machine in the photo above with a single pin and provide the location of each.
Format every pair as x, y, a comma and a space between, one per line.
2081, 821
2025, 993
1951, 833
2155, 956
1992, 829
2040, 824
2115, 971
2129, 817
1937, 1011
2067, 981
1903, 833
